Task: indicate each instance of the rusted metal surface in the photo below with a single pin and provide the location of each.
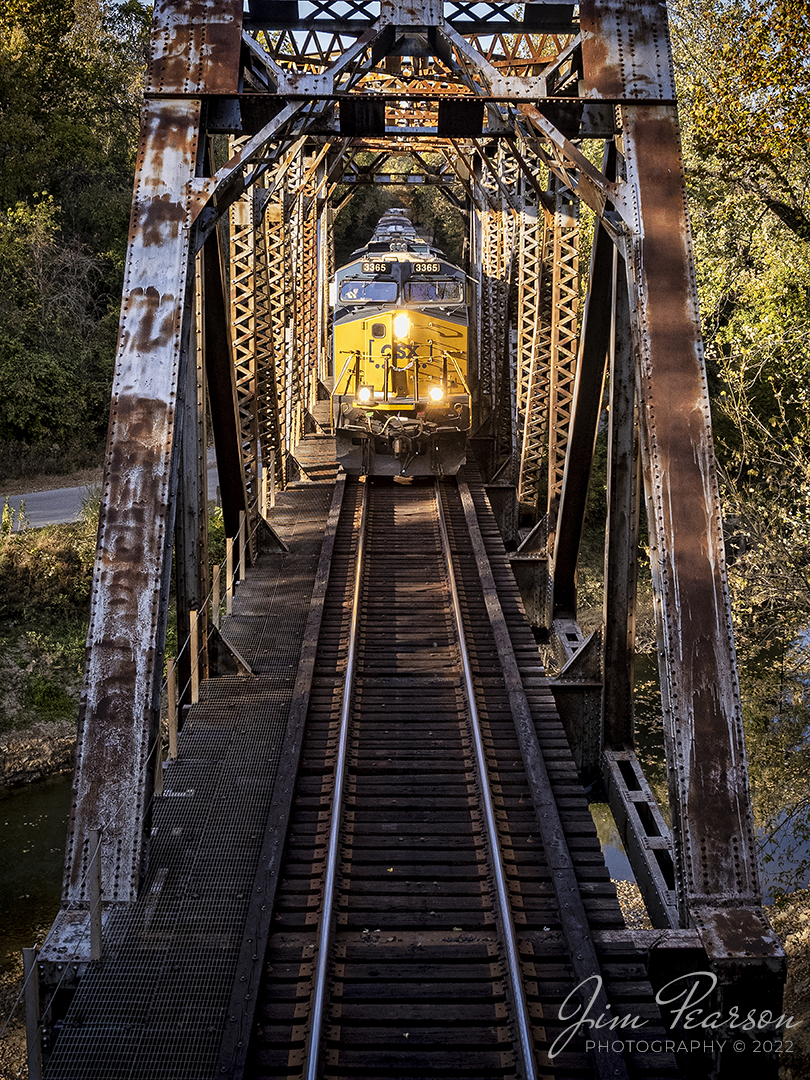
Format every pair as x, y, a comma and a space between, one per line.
564, 344
578, 435
119, 711
715, 844
625, 50
222, 391
244, 237
195, 47
270, 316
621, 539
191, 517
533, 325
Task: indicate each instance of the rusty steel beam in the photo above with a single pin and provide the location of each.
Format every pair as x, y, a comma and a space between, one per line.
243, 304
120, 703
584, 425
532, 380
621, 540
191, 516
715, 843
222, 396
563, 344
270, 395
193, 48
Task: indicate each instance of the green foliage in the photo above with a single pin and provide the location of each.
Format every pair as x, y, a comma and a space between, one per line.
70, 84
47, 697
744, 75
46, 571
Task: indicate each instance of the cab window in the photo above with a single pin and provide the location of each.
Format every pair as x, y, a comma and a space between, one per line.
426, 292
368, 292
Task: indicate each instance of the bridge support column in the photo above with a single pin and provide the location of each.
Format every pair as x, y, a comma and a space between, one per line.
715, 852
621, 541
119, 715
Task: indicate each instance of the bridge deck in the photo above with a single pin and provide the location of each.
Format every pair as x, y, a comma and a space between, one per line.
156, 1006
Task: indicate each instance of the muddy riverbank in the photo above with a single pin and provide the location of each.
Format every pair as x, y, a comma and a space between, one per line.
46, 749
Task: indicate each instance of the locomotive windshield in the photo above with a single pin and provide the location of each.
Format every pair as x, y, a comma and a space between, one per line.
426, 292
368, 292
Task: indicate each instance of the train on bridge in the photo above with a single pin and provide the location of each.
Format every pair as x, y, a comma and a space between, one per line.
401, 400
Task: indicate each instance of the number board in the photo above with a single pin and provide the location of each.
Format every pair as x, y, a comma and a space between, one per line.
375, 268
426, 268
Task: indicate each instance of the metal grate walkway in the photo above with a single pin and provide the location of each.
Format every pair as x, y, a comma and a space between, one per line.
155, 1008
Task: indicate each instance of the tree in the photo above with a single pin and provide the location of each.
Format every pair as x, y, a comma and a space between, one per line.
744, 85
70, 88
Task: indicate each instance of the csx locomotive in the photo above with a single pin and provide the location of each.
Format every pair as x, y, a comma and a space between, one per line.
401, 401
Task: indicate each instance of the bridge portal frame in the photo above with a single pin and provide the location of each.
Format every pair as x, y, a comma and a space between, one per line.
531, 90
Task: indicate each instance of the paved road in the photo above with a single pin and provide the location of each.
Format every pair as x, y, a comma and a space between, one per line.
50, 507
65, 504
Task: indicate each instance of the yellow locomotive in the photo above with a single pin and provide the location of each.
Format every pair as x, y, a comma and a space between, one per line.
401, 401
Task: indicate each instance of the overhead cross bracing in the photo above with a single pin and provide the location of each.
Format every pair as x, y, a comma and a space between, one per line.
258, 123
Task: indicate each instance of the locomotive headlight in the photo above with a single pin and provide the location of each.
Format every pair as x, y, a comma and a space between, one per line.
365, 394
402, 325
436, 393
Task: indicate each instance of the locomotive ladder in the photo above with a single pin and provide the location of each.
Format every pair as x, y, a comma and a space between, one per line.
435, 907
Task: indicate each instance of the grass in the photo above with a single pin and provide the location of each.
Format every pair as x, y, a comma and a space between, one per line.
45, 582
20, 460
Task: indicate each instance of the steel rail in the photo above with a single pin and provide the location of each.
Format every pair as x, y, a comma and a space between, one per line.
325, 935
507, 926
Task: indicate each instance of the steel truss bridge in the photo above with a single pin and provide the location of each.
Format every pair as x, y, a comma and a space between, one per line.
543, 123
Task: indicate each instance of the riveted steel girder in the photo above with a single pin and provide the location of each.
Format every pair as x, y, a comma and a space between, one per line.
533, 346
715, 846
119, 712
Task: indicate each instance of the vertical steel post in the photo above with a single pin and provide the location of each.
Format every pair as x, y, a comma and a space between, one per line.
621, 539
243, 302
94, 889
33, 1032
159, 764
584, 407
215, 599
715, 846
171, 694
191, 518
564, 333
532, 356
242, 546
120, 708
194, 647
229, 575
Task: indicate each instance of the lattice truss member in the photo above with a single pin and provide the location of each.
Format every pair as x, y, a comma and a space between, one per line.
257, 125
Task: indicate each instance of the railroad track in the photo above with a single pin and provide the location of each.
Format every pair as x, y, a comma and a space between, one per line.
417, 927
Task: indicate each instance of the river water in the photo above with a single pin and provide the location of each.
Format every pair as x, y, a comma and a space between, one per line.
33, 831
